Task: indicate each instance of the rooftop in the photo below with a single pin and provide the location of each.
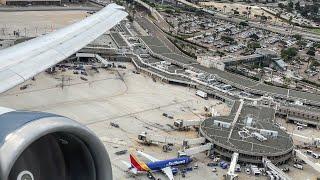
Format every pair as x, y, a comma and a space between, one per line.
262, 118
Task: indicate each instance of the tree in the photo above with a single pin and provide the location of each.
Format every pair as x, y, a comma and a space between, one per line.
297, 36
254, 36
301, 43
228, 39
254, 45
289, 53
281, 5
243, 23
297, 6
316, 45
278, 15
290, 6
311, 51
290, 22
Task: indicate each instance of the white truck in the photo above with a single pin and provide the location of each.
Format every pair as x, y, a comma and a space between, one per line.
202, 94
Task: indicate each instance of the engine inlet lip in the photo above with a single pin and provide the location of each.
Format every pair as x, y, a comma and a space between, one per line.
17, 141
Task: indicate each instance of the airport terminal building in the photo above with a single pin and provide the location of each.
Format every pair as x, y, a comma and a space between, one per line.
253, 135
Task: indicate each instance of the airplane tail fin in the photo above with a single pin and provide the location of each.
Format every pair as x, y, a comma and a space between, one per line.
140, 166
134, 162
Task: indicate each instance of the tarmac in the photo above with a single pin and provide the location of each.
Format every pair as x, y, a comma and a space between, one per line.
133, 101
136, 104
35, 23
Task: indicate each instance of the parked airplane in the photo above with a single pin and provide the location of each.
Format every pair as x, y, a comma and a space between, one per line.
166, 166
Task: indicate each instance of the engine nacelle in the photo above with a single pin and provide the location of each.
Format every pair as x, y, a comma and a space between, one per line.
44, 146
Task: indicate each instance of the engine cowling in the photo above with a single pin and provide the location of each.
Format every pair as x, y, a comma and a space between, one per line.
45, 146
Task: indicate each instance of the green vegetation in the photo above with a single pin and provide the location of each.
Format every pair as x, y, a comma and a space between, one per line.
309, 11
301, 43
315, 63
220, 53
254, 45
311, 51
316, 45
254, 36
316, 30
281, 5
289, 53
243, 23
228, 39
297, 36
290, 6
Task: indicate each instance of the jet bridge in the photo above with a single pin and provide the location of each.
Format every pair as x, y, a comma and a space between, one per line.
268, 164
190, 142
157, 139
196, 150
185, 124
97, 56
231, 175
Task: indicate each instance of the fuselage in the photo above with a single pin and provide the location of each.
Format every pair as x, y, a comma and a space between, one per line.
158, 165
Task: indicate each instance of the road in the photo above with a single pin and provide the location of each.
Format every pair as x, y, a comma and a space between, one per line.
155, 31
269, 27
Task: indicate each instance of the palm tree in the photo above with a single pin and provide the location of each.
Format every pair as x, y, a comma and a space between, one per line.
278, 15
290, 22
249, 12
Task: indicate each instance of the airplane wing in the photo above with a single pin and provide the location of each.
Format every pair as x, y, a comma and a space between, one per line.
23, 61
168, 172
151, 158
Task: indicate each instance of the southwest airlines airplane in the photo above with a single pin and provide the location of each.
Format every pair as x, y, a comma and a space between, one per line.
166, 166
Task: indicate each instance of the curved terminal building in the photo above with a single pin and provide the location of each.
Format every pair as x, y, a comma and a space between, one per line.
249, 131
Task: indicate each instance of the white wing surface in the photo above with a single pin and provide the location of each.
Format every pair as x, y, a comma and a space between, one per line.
168, 172
23, 61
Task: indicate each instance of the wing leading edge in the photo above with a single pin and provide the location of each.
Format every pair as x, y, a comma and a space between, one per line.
168, 172
23, 61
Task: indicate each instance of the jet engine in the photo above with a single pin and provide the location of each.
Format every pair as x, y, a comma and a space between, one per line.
45, 146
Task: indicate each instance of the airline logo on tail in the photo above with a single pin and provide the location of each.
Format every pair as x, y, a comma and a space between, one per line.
140, 166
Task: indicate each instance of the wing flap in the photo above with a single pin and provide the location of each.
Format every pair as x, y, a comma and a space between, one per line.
9, 79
